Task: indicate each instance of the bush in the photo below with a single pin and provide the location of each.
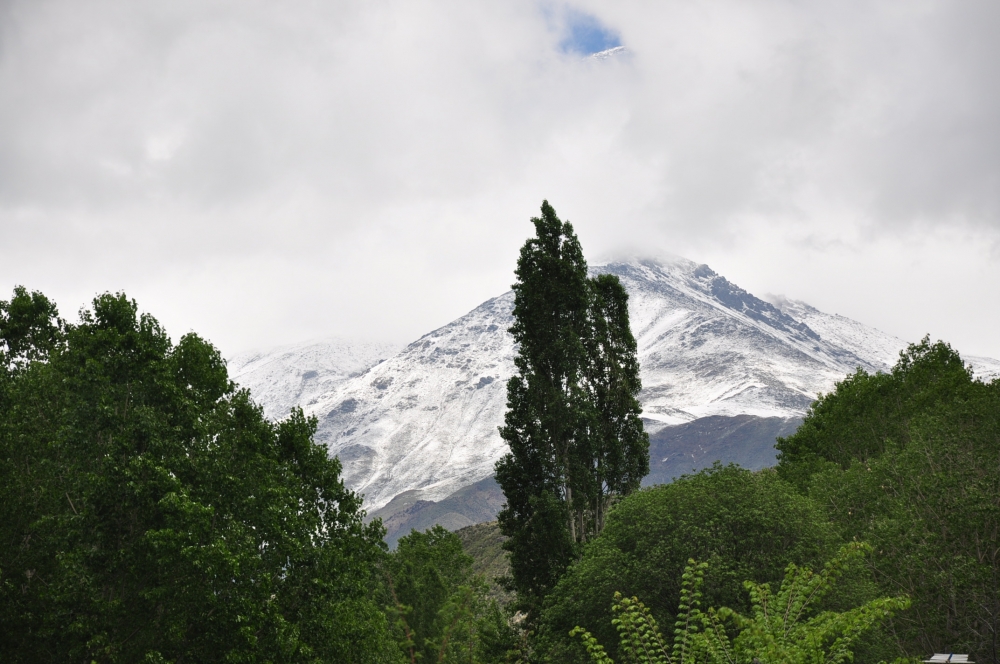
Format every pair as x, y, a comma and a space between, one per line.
782, 627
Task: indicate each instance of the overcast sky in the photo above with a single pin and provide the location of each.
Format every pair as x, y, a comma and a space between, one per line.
269, 172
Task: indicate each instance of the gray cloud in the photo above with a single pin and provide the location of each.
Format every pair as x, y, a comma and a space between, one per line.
267, 172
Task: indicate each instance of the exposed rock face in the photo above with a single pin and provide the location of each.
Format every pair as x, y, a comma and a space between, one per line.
469, 505
745, 440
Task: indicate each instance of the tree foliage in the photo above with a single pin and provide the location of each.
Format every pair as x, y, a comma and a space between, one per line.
868, 413
613, 448
782, 627
745, 524
910, 462
572, 422
149, 512
438, 607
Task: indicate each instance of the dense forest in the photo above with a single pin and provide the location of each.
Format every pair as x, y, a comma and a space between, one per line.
150, 513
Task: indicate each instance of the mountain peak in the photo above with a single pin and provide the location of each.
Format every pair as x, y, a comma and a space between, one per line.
425, 419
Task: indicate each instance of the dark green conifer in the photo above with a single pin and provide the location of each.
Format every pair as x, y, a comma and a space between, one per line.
613, 447
572, 422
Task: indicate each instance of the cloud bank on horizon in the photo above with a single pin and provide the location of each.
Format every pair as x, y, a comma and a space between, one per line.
269, 172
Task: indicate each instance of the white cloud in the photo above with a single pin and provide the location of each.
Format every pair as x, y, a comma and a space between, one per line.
266, 172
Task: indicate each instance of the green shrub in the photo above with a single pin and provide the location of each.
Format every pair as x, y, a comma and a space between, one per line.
783, 627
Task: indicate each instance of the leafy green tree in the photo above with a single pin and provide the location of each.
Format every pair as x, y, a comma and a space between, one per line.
931, 510
782, 627
149, 512
438, 607
868, 412
544, 403
29, 328
910, 462
745, 524
572, 422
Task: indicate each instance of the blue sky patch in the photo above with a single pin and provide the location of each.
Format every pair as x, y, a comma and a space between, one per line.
585, 34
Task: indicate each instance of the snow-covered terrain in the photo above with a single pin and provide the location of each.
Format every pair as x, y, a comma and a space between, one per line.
426, 419
983, 368
295, 375
608, 53
707, 347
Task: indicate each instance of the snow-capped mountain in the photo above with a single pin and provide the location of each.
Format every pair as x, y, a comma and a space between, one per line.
295, 375
425, 420
607, 53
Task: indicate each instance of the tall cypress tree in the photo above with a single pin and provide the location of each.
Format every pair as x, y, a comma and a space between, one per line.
572, 417
613, 447
550, 312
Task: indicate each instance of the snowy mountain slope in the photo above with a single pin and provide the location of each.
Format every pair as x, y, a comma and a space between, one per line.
426, 419
707, 347
295, 375
983, 368
877, 348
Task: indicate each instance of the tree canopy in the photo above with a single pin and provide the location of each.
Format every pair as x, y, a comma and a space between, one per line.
149, 512
572, 421
746, 525
438, 607
909, 461
868, 413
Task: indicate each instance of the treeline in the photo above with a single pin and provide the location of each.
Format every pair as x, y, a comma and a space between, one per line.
906, 462
909, 461
150, 513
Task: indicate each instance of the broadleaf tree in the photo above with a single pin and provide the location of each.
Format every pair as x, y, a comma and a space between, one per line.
438, 606
149, 512
909, 461
572, 422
